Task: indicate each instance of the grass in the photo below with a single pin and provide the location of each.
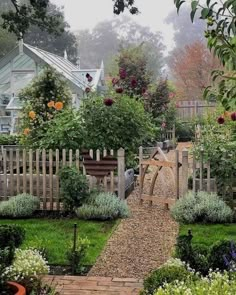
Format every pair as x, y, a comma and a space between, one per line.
57, 235
209, 234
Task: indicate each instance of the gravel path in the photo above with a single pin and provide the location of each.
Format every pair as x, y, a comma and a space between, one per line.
144, 241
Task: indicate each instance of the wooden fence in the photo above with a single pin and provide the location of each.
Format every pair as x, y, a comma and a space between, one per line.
36, 172
189, 109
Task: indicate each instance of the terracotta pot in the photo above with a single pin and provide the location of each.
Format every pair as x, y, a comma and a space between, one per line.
18, 289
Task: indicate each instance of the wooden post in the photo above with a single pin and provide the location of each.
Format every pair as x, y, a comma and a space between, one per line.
121, 173
194, 174
208, 177
24, 171
112, 175
11, 174
31, 171
105, 178
44, 179
17, 171
37, 173
173, 135
63, 158
5, 172
201, 170
177, 173
70, 157
140, 171
184, 172
57, 179
51, 179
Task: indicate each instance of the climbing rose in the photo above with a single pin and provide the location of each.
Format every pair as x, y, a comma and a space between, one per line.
58, 106
233, 116
133, 83
32, 115
221, 120
26, 131
123, 73
90, 79
87, 75
87, 89
108, 102
51, 104
119, 90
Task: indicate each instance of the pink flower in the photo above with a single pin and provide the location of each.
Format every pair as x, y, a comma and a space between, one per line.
119, 90
108, 102
233, 116
163, 125
133, 83
123, 73
221, 120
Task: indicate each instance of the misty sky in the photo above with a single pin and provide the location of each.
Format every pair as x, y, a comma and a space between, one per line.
85, 14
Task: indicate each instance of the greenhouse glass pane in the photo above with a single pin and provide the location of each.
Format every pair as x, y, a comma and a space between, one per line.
21, 80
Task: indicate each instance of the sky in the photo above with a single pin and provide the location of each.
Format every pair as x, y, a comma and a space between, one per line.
85, 14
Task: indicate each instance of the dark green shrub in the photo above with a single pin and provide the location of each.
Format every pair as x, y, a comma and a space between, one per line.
74, 188
217, 253
11, 235
9, 139
165, 274
195, 256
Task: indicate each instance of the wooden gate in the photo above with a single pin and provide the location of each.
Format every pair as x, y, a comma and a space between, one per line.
144, 164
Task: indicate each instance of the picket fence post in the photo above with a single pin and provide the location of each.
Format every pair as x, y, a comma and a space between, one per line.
121, 173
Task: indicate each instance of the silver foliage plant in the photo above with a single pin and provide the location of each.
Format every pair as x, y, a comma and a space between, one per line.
102, 207
23, 205
202, 207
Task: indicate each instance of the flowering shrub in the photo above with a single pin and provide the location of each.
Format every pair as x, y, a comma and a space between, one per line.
215, 283
47, 95
166, 274
202, 207
102, 207
23, 205
27, 264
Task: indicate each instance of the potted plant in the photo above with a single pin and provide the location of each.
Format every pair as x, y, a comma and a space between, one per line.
16, 288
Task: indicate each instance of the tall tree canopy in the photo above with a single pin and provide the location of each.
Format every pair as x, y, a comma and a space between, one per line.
191, 68
38, 37
109, 37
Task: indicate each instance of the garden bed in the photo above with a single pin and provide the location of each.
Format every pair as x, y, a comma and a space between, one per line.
55, 236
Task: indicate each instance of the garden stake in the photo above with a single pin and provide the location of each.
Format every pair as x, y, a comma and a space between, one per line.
74, 249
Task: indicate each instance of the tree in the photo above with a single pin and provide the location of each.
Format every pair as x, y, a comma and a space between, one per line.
219, 17
21, 15
182, 23
108, 37
191, 68
54, 43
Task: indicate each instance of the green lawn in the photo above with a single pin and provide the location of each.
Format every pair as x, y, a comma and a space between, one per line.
55, 235
208, 234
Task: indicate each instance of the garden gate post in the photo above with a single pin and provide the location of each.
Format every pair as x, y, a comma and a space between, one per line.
184, 172
177, 173
121, 173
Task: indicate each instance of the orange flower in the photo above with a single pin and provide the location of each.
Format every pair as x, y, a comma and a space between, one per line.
32, 115
58, 106
26, 131
51, 104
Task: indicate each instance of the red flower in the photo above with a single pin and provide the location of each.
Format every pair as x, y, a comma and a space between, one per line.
133, 83
115, 81
119, 90
90, 79
233, 116
87, 89
221, 120
123, 73
87, 75
108, 102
